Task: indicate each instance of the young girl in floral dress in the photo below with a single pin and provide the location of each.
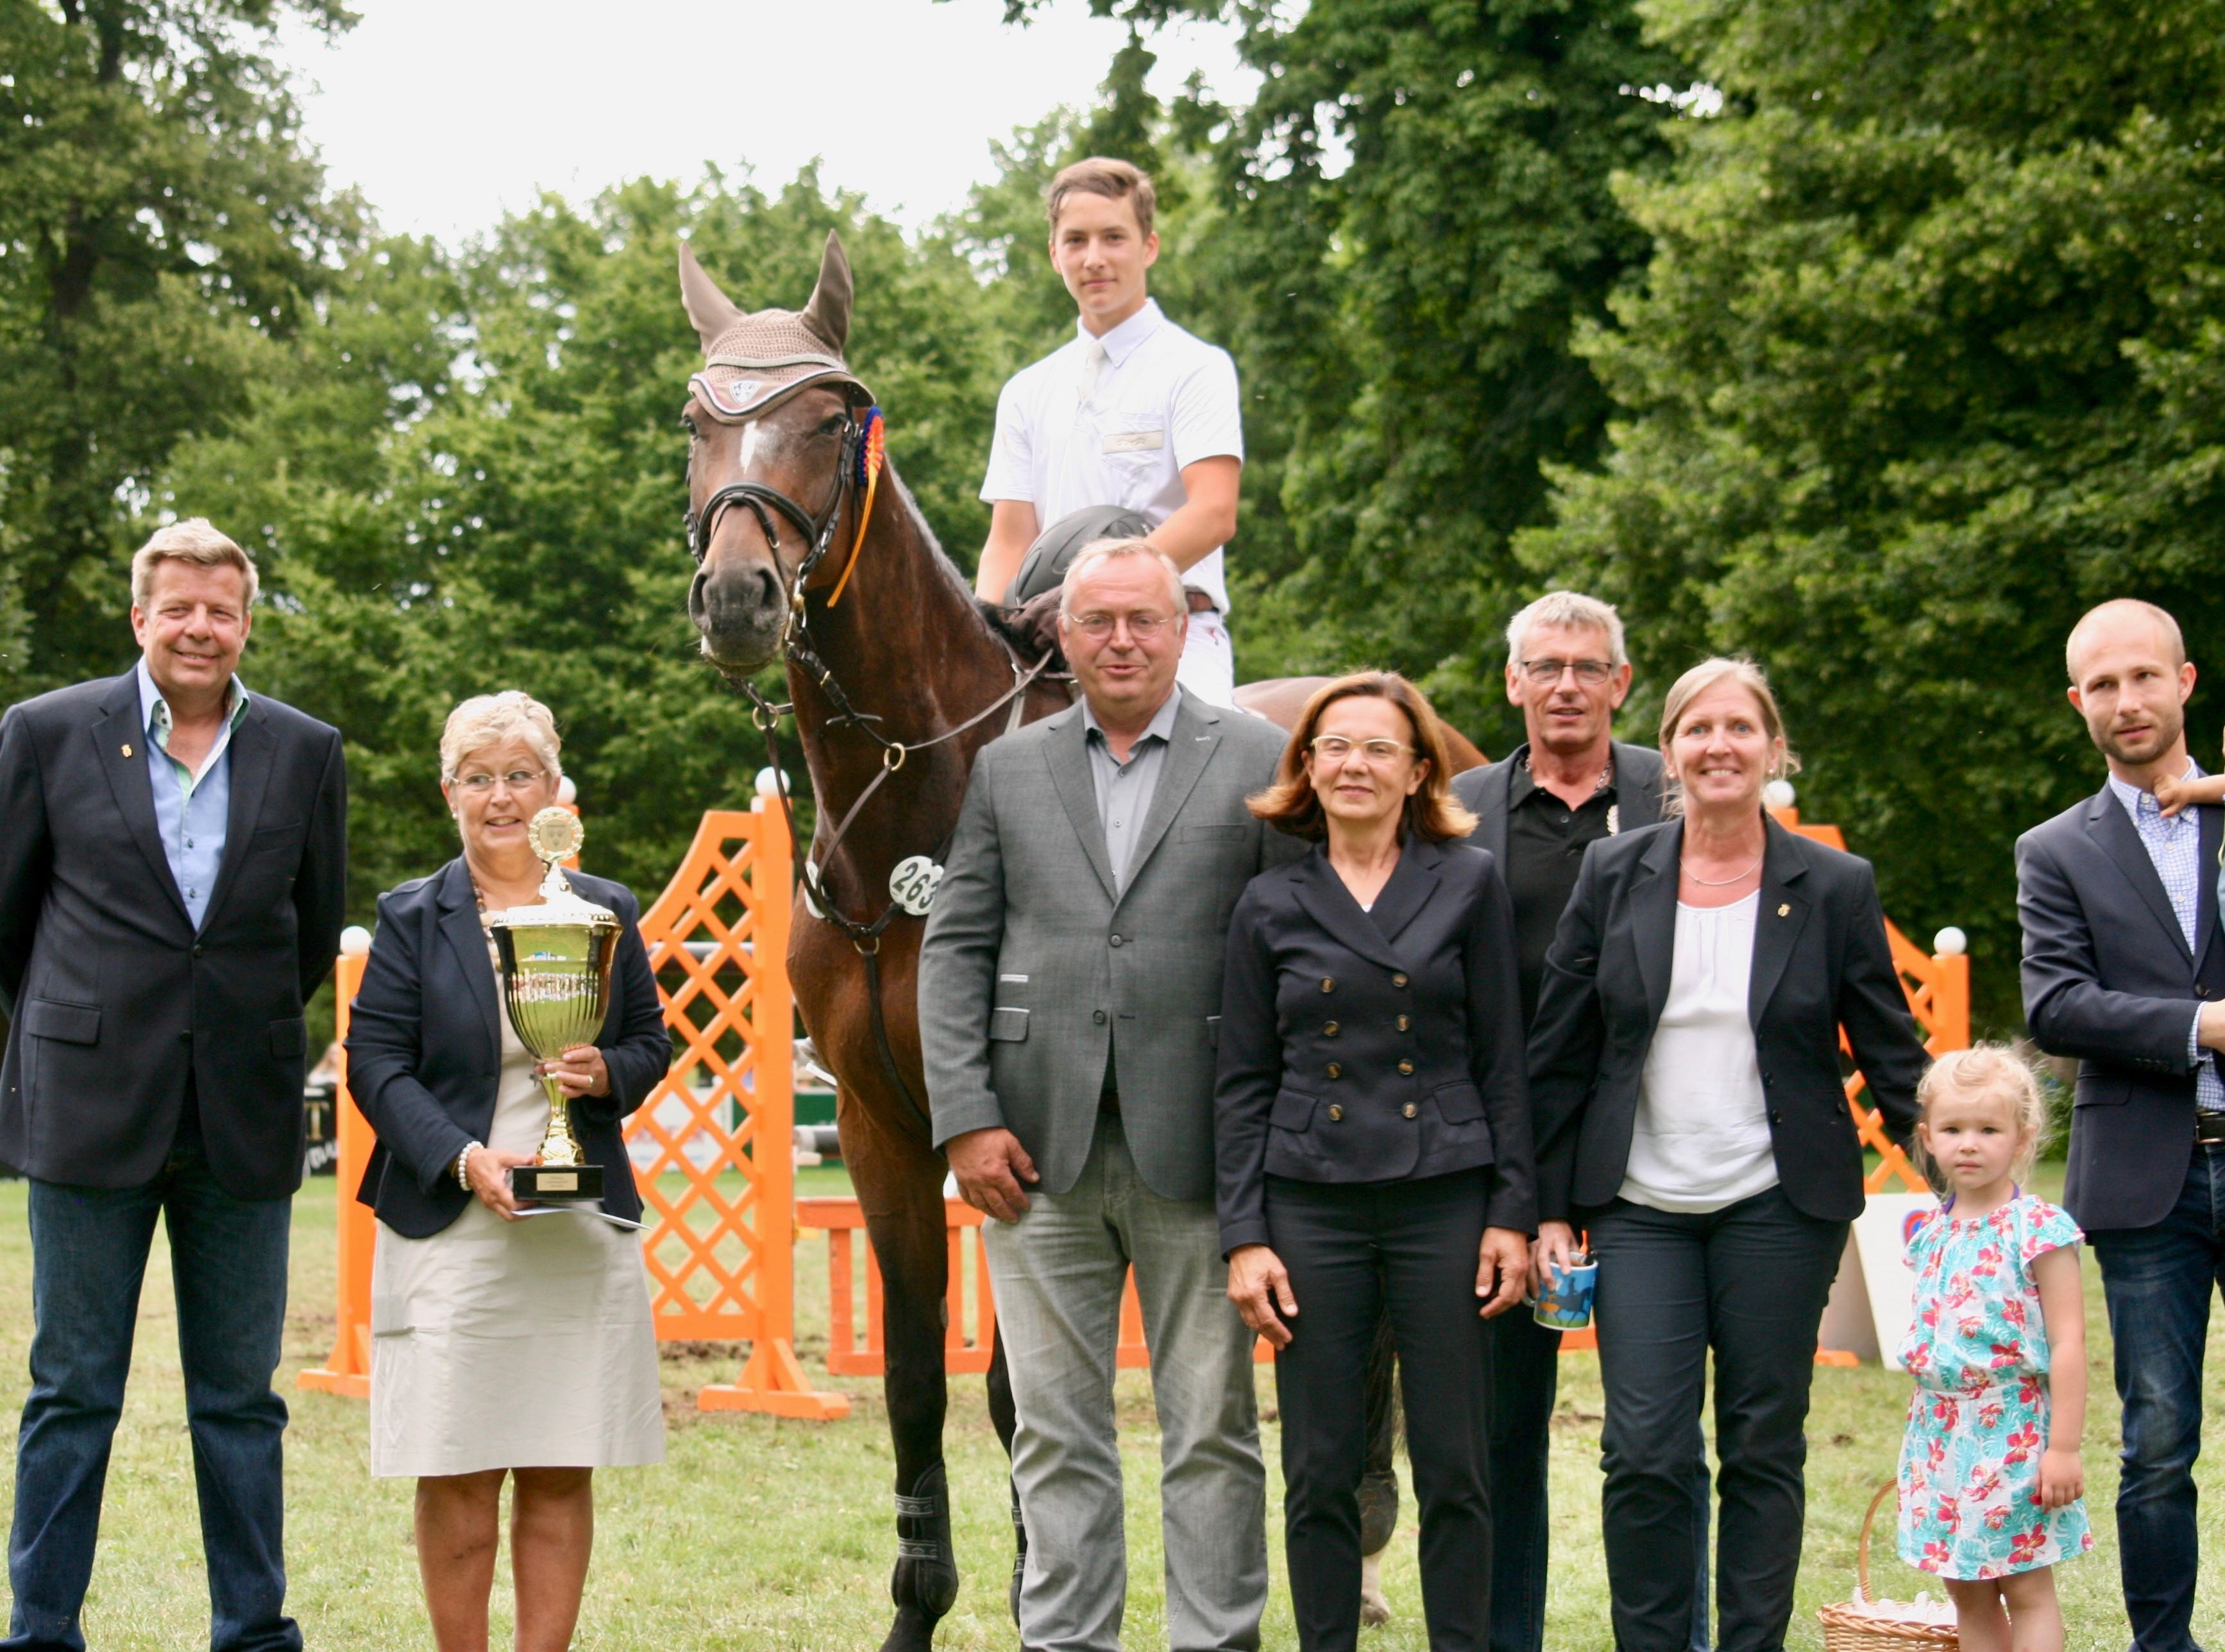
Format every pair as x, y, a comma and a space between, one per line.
1990, 1479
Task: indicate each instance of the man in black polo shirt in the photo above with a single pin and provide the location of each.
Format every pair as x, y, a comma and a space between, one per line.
1568, 785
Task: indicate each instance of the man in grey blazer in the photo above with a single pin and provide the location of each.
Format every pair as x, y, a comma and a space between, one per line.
2124, 967
1569, 784
1069, 1008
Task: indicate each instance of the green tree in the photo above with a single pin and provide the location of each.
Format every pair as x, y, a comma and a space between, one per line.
159, 219
1926, 361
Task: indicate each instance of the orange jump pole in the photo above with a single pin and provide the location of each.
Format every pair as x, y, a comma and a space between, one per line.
854, 1341
346, 1369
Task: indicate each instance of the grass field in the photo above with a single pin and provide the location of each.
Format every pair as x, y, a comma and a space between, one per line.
766, 1534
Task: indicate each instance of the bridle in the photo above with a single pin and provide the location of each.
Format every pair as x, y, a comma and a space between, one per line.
856, 473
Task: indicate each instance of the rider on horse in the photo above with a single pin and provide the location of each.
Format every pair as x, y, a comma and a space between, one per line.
1133, 412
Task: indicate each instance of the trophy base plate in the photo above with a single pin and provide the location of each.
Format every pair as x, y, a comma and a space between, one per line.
551, 1184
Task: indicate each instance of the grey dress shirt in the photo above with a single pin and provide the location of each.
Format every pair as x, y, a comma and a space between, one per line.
1124, 790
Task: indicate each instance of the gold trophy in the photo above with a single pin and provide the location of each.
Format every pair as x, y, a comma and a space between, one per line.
556, 985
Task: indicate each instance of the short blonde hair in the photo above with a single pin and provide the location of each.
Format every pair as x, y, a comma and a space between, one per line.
488, 719
1432, 813
197, 543
1997, 1073
1696, 682
1114, 179
1566, 611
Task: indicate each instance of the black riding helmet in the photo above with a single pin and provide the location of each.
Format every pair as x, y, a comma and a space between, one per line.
1044, 568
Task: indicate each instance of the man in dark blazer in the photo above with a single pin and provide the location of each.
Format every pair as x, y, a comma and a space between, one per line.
2124, 967
173, 854
1568, 785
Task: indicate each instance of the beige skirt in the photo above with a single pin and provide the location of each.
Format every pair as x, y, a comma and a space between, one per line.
513, 1344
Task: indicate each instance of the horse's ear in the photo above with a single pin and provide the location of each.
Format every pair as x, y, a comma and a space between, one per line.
828, 313
711, 310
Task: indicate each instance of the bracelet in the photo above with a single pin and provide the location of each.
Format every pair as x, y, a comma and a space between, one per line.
463, 1180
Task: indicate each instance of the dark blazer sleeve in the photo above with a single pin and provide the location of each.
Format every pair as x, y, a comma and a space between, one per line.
384, 1041
1565, 1040
1250, 1072
1497, 1052
320, 886
636, 1048
26, 854
1874, 1010
2068, 1009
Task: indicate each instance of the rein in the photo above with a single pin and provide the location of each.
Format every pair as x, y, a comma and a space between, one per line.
860, 452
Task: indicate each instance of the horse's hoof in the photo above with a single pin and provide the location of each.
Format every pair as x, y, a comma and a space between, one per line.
913, 1632
1375, 1609
925, 1581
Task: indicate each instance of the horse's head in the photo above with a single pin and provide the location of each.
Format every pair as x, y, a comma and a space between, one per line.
774, 443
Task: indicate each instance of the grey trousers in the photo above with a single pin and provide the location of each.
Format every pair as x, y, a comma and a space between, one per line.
1058, 1273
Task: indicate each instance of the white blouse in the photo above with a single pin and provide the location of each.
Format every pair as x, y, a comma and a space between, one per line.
1702, 1138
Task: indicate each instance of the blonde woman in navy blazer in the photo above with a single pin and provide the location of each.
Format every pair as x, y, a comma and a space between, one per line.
1373, 1140
1684, 1066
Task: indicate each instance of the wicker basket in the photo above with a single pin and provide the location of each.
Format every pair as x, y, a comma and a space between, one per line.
1866, 1625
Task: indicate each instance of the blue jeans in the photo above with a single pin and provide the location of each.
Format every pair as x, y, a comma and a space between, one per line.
228, 1263
2157, 1281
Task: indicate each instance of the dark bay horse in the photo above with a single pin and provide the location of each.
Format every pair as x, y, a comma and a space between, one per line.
897, 678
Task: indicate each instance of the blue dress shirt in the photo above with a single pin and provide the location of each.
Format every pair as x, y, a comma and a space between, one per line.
192, 811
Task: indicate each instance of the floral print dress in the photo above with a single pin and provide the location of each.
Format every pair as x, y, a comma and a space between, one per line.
1977, 1423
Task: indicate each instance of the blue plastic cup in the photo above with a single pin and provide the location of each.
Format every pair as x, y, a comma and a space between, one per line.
1565, 1304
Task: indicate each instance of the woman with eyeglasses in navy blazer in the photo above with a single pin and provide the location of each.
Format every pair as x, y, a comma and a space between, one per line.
1371, 1140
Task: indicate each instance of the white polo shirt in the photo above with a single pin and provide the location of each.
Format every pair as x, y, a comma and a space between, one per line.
1078, 429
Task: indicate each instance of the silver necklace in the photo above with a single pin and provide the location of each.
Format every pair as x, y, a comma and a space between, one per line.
1685, 866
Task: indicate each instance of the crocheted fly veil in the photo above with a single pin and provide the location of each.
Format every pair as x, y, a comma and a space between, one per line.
755, 359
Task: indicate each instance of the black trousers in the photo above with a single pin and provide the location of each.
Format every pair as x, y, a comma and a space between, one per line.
1353, 1250
1525, 1361
1747, 1282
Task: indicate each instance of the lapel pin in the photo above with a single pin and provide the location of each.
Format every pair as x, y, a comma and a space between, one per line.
1784, 911
127, 748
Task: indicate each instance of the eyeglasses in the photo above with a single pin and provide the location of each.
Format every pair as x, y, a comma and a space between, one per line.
1098, 626
1545, 673
1335, 748
517, 780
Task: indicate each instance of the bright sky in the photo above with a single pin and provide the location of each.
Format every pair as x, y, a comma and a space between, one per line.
448, 113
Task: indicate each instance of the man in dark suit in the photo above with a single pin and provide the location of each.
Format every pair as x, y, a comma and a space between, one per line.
173, 854
1569, 784
2124, 968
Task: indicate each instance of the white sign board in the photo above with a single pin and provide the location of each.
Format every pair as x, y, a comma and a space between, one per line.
1881, 1234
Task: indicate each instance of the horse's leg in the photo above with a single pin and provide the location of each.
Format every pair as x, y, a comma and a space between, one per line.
1006, 1418
1379, 1486
899, 1182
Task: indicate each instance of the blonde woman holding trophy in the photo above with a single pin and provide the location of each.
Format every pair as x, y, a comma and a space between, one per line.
511, 1322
